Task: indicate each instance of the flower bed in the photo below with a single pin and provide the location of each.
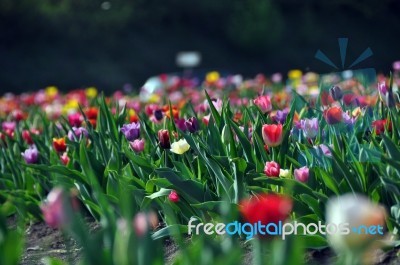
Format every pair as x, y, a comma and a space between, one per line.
188, 159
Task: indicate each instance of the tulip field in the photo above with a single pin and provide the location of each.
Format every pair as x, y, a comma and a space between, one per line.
166, 166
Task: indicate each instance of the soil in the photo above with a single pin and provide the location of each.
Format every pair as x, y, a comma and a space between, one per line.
43, 241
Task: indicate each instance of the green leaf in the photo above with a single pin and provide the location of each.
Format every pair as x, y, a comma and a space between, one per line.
215, 114
74, 174
162, 192
192, 189
328, 180
170, 230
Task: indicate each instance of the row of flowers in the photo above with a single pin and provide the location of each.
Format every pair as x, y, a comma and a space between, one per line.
239, 149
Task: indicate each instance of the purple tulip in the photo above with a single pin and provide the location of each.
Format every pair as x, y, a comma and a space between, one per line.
31, 155
281, 115
77, 133
302, 174
131, 131
192, 124
325, 150
382, 87
336, 92
396, 66
158, 114
347, 119
276, 78
309, 127
137, 145
181, 124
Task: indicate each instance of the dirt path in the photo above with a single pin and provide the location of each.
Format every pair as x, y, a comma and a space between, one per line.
43, 241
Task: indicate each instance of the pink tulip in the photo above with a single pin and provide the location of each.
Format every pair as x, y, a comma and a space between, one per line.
302, 174
272, 169
137, 145
173, 196
54, 212
264, 103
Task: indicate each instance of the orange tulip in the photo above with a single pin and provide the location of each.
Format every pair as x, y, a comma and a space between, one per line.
59, 144
333, 115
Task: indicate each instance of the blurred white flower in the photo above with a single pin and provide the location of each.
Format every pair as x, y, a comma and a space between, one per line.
356, 210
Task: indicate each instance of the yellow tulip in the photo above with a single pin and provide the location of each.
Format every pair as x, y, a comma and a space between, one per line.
284, 173
212, 77
295, 74
70, 106
51, 91
91, 92
180, 147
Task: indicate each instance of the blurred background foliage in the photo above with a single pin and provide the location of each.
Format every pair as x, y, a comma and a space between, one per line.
75, 43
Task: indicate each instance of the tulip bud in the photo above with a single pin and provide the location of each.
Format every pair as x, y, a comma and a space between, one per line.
396, 66
284, 173
383, 89
54, 209
302, 174
158, 114
18, 115
310, 127
75, 119
163, 138
142, 223
59, 144
225, 135
26, 135
31, 155
264, 103
173, 197
137, 145
336, 92
272, 134
333, 115
192, 124
64, 159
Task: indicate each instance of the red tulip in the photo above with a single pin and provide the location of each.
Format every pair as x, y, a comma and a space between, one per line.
333, 115
59, 144
133, 118
173, 196
163, 137
348, 99
272, 169
326, 98
26, 135
91, 113
266, 208
379, 126
272, 134
18, 115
